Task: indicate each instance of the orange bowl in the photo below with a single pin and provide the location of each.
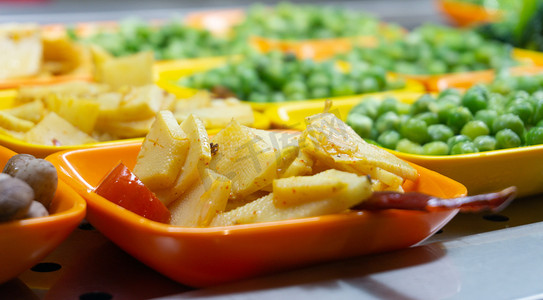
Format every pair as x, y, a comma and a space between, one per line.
26, 242
465, 81
466, 14
528, 60
209, 256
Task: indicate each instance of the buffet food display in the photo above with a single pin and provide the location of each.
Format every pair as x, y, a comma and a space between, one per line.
187, 143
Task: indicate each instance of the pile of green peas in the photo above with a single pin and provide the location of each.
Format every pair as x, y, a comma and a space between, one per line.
433, 49
452, 123
279, 77
171, 40
291, 21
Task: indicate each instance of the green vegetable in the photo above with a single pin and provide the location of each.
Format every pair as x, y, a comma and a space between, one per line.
262, 77
433, 49
507, 138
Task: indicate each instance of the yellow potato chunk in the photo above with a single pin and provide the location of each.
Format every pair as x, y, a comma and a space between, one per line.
301, 189
301, 165
53, 130
202, 202
198, 158
139, 103
162, 153
79, 112
265, 209
11, 122
31, 111
244, 158
330, 140
130, 70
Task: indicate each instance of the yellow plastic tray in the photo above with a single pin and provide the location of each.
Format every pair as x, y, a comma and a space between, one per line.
480, 172
170, 72
7, 100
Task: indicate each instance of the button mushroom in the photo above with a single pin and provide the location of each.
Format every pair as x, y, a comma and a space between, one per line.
40, 174
16, 196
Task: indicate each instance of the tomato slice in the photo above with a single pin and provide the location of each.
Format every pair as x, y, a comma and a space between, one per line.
123, 188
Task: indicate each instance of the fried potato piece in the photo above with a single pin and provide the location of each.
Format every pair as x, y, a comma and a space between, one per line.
53, 130
162, 153
330, 140
202, 202
356, 190
244, 158
198, 158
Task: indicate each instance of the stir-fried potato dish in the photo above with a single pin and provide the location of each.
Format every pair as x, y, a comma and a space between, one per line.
243, 175
81, 112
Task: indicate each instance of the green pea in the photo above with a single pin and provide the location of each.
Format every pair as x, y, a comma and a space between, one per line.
457, 139
278, 97
534, 136
497, 102
343, 88
458, 117
508, 121
474, 99
361, 124
387, 105
319, 92
387, 121
507, 138
464, 148
407, 146
475, 128
430, 118
527, 83
486, 115
396, 84
485, 143
523, 109
435, 148
538, 109
421, 104
518, 94
450, 92
440, 132
415, 130
389, 139
258, 97
368, 107
294, 87
442, 108
452, 98
318, 80
501, 85
296, 97
369, 85
437, 67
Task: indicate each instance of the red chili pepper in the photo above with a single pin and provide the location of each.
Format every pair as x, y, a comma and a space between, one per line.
417, 201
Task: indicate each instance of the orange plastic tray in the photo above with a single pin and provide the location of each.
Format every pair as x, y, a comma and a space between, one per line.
318, 49
220, 22
26, 242
465, 81
209, 256
526, 58
466, 14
